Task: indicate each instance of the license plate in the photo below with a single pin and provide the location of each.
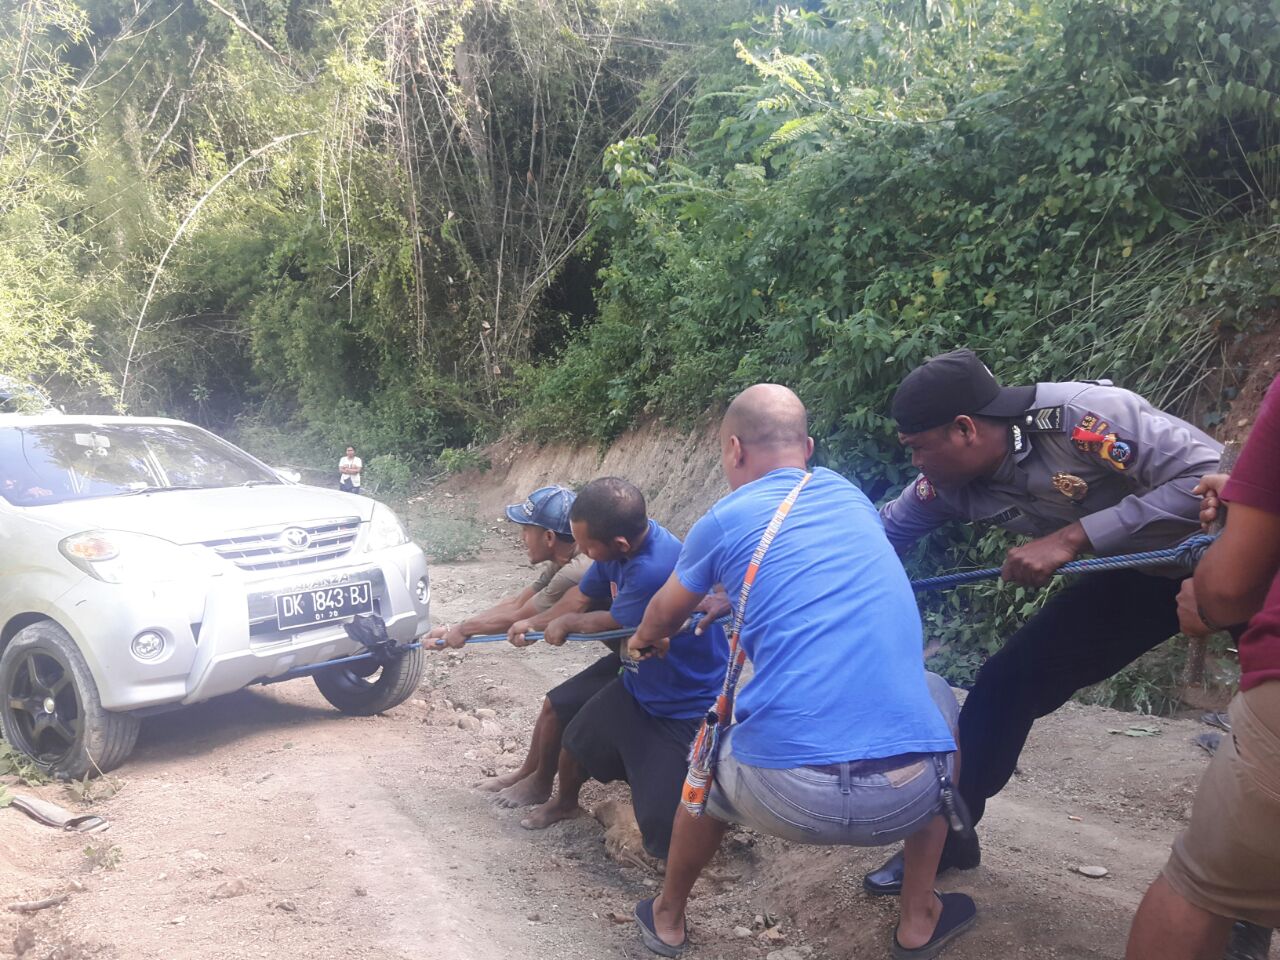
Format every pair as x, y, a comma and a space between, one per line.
306, 608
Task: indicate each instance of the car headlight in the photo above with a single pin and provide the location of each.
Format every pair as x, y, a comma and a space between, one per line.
116, 556
385, 530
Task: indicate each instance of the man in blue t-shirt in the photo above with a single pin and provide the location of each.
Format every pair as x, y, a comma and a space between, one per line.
840, 737
640, 726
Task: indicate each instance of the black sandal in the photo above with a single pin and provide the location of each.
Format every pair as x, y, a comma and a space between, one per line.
649, 932
958, 914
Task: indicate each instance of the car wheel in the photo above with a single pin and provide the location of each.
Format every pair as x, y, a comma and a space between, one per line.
51, 710
363, 689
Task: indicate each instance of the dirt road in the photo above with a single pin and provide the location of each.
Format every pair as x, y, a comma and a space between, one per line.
267, 825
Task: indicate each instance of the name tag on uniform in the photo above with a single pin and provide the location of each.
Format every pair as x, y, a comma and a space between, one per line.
1004, 516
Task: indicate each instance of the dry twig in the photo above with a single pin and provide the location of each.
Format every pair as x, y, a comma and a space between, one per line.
35, 906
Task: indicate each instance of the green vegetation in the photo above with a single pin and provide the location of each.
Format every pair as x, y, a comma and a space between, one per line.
411, 226
459, 460
20, 767
446, 534
1075, 189
349, 222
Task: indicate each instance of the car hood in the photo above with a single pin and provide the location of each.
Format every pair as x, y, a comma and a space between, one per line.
192, 516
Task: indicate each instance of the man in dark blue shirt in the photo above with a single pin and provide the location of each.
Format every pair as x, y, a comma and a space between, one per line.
640, 726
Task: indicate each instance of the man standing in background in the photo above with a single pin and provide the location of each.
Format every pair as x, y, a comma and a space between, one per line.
349, 468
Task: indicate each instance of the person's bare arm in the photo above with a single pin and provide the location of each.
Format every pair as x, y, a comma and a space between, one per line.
528, 608
665, 615
495, 619
595, 621
1232, 580
573, 601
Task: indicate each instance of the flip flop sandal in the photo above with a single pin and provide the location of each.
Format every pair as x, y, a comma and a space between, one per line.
958, 914
649, 932
1208, 742
1218, 719
52, 815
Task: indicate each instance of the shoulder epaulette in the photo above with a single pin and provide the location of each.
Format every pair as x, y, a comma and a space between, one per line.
1043, 420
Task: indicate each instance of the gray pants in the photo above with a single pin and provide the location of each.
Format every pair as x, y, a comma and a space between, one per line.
860, 803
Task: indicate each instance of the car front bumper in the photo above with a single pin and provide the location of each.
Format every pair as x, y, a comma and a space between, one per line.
220, 632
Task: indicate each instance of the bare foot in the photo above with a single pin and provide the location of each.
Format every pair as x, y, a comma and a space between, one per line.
551, 812
494, 784
524, 793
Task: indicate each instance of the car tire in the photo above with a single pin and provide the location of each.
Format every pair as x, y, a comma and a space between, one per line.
42, 664
363, 690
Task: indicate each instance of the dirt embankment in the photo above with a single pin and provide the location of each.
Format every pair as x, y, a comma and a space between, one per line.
1257, 364
677, 470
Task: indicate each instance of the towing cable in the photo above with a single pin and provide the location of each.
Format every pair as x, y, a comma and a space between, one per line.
1185, 555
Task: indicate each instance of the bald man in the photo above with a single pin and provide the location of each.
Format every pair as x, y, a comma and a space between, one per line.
841, 737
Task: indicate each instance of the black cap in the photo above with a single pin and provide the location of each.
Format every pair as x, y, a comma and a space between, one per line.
950, 385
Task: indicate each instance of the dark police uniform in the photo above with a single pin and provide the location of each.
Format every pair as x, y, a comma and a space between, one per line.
1087, 452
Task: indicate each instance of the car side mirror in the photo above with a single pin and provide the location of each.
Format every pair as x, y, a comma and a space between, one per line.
287, 475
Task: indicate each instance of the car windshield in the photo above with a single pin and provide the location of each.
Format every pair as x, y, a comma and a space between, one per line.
51, 463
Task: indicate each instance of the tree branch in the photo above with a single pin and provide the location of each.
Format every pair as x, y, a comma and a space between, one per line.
182, 227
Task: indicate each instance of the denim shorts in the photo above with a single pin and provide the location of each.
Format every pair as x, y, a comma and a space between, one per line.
860, 803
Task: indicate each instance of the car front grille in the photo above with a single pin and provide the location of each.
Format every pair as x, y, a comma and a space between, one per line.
295, 545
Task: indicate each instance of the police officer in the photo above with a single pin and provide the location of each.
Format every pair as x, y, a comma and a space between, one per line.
1081, 468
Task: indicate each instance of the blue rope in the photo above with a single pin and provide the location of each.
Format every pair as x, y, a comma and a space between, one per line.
535, 635
1186, 555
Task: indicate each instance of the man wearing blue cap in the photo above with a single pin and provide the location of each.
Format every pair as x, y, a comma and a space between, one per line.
548, 540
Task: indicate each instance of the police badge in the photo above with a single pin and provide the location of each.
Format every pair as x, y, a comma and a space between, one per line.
1070, 486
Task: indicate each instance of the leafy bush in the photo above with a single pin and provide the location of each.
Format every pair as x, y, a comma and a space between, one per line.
589, 392
460, 459
388, 475
447, 539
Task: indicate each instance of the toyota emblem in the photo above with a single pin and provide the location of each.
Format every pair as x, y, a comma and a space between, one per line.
295, 538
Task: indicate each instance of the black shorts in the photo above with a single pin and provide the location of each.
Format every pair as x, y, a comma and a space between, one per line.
572, 695
614, 738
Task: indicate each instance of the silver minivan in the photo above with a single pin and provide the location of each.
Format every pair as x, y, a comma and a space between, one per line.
146, 564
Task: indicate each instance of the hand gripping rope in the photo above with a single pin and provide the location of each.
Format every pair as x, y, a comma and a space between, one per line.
1185, 555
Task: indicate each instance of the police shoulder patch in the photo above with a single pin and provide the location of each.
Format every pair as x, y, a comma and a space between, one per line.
1043, 419
1119, 453
924, 489
1089, 434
